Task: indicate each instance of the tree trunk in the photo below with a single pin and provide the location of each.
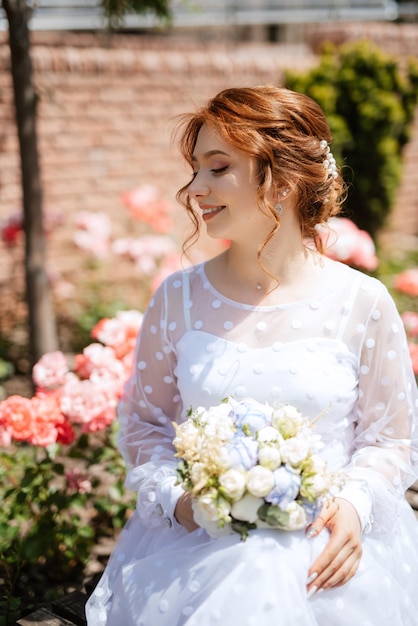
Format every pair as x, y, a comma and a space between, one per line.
42, 329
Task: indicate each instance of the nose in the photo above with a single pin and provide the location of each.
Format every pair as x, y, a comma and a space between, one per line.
198, 187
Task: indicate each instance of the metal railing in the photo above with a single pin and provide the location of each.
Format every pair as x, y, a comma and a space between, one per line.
88, 14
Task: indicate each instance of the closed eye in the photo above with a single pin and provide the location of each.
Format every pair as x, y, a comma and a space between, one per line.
219, 170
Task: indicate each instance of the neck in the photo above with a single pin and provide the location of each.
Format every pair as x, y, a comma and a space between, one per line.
267, 274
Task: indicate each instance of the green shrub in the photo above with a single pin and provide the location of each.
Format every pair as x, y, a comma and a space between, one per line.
369, 98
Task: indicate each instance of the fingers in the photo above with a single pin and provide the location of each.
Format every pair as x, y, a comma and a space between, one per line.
327, 513
341, 557
184, 513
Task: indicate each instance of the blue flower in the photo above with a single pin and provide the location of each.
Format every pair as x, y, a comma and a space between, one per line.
242, 451
251, 416
286, 487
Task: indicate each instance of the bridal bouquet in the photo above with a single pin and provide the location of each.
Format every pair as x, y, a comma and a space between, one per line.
250, 465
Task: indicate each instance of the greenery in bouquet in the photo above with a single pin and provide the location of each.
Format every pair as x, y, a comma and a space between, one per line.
249, 465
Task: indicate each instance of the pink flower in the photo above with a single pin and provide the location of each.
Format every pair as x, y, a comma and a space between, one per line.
50, 371
344, 242
49, 425
100, 421
82, 401
17, 417
120, 332
38, 420
407, 282
147, 205
410, 320
5, 437
145, 251
413, 351
93, 233
77, 480
99, 360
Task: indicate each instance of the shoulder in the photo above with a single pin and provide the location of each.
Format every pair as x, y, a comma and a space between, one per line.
176, 285
361, 285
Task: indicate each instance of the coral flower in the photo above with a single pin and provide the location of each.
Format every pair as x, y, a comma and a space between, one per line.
17, 417
413, 351
407, 282
410, 321
148, 206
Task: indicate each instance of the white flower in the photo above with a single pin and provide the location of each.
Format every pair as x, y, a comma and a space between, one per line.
270, 457
218, 423
295, 450
198, 475
288, 420
187, 440
214, 529
206, 506
246, 508
260, 481
269, 434
315, 486
297, 516
233, 483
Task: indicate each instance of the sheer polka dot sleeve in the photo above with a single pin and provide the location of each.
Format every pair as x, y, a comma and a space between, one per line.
386, 442
148, 407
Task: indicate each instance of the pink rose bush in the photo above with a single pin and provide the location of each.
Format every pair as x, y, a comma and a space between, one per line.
147, 205
410, 321
345, 242
407, 282
93, 230
85, 396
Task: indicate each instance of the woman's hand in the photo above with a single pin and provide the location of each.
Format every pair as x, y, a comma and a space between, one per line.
184, 512
341, 557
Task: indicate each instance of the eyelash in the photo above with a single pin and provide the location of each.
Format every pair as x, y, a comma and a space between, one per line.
220, 170
215, 171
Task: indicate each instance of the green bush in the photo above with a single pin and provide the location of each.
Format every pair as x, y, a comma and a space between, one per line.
369, 99
49, 523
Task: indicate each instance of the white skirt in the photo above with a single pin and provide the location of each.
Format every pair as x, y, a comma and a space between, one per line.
169, 577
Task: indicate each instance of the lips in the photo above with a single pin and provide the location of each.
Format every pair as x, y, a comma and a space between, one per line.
210, 211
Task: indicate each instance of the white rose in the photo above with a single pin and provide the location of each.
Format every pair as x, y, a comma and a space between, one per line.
233, 483
260, 481
269, 434
198, 475
269, 457
288, 420
213, 528
294, 451
246, 508
219, 426
315, 486
297, 516
206, 506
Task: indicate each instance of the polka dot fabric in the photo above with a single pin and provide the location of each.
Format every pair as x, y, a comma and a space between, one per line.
341, 357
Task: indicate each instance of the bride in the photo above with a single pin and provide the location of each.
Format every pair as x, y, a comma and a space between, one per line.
270, 318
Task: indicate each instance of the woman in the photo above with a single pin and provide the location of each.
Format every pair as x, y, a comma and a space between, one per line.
273, 319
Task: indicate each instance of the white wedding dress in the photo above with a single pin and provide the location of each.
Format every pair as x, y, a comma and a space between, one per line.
341, 355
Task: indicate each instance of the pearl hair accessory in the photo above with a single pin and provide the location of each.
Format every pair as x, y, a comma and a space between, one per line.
329, 162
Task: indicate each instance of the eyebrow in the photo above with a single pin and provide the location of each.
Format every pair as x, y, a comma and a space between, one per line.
211, 153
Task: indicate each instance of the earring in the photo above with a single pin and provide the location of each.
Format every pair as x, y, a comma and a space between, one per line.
278, 207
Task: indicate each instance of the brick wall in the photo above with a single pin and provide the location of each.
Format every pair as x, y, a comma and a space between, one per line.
106, 110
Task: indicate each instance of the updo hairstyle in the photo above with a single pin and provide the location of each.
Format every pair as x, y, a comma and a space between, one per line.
288, 135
